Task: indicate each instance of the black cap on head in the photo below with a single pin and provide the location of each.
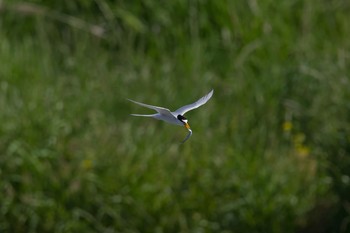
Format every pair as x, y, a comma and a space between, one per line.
181, 118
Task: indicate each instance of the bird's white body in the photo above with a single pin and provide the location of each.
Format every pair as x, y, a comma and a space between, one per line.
170, 119
175, 117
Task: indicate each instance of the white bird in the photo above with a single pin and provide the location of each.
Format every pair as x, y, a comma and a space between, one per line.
175, 117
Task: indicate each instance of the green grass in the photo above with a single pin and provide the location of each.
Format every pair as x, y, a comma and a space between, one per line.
268, 149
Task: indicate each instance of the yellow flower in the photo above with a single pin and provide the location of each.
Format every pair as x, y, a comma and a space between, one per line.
303, 151
86, 164
287, 126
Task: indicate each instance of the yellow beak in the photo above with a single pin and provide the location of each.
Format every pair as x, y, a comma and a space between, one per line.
187, 125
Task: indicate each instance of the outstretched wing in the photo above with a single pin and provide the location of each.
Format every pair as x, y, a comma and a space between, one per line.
198, 103
160, 110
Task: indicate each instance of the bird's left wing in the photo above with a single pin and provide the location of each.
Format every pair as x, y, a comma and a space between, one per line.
160, 110
195, 105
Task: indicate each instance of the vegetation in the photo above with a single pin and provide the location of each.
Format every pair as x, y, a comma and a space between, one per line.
270, 151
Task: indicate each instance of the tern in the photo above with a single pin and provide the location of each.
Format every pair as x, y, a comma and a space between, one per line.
176, 117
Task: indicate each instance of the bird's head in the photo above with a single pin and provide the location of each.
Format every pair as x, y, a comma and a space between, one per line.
184, 121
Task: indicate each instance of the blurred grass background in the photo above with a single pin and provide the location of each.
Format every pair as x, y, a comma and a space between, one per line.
270, 151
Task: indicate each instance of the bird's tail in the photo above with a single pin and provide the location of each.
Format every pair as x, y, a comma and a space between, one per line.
142, 115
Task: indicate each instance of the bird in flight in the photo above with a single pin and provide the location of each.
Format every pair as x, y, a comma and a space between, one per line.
176, 117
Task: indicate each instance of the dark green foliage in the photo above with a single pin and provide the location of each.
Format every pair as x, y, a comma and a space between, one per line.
270, 150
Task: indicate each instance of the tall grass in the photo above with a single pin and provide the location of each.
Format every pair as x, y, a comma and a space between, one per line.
270, 149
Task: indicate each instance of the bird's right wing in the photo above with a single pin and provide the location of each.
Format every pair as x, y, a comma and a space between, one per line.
160, 110
196, 104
